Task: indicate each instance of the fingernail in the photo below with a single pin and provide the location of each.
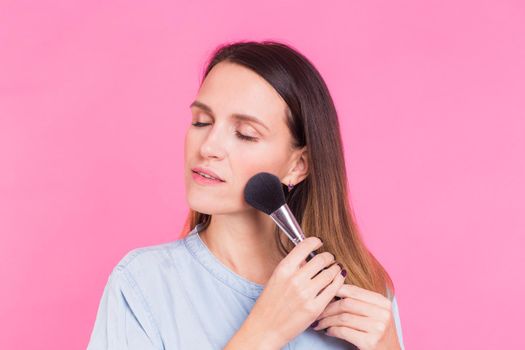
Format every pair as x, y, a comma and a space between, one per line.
313, 325
343, 272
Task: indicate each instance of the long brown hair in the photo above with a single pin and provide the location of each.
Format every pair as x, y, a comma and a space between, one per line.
320, 202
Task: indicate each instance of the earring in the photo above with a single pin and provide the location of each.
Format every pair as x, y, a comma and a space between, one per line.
290, 186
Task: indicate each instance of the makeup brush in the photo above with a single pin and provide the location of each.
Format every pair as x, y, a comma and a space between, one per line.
264, 192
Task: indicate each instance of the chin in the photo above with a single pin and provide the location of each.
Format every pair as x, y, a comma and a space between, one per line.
213, 206
204, 204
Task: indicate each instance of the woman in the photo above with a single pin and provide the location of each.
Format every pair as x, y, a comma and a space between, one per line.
235, 281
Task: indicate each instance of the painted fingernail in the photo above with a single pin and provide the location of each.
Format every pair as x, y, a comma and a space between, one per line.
313, 325
343, 272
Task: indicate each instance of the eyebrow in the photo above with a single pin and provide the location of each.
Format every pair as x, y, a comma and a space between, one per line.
234, 115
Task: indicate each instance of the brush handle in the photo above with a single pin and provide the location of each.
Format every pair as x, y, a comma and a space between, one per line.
310, 256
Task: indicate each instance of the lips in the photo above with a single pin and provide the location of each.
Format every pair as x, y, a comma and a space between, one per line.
207, 172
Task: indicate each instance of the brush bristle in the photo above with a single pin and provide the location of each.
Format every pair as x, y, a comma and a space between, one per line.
264, 191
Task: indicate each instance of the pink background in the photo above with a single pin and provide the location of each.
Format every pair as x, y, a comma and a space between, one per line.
94, 102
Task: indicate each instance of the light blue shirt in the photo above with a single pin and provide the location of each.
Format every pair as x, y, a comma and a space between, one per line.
178, 295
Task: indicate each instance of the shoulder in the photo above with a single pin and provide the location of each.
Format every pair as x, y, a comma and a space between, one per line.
129, 307
397, 320
146, 259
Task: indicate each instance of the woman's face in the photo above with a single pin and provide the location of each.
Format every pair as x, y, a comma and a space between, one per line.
220, 145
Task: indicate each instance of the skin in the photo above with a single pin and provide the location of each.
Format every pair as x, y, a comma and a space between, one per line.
240, 236
362, 317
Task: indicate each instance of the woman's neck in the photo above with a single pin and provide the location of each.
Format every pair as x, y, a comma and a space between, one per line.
245, 244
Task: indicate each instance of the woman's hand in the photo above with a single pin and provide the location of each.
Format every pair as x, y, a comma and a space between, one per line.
296, 293
362, 317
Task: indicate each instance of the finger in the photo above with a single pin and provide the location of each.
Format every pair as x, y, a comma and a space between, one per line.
358, 338
362, 323
316, 265
353, 306
356, 292
331, 309
301, 251
327, 294
323, 280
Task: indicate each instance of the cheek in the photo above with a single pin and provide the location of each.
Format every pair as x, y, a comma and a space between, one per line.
247, 162
186, 144
192, 142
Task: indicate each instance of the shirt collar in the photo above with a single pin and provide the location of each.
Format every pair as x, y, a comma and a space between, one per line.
205, 257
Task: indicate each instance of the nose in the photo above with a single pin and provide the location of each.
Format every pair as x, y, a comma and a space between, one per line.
213, 145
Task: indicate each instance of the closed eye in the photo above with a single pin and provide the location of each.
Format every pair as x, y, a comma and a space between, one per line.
239, 135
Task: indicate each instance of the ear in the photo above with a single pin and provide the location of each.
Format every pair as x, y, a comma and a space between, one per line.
299, 167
